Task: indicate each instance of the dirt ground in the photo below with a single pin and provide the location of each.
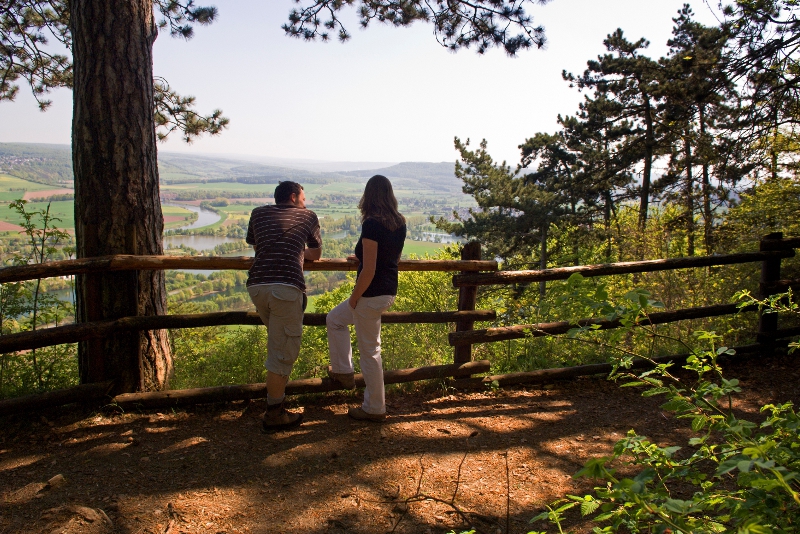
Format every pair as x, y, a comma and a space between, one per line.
443, 461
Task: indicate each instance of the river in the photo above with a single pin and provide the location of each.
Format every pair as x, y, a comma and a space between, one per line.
204, 217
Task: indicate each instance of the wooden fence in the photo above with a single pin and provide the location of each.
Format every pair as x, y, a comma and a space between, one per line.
463, 318
473, 273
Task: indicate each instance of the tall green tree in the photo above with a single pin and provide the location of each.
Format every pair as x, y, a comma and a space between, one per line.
764, 60
698, 100
517, 209
555, 178
594, 134
117, 108
632, 80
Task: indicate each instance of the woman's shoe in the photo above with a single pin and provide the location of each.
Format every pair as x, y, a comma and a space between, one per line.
346, 380
360, 415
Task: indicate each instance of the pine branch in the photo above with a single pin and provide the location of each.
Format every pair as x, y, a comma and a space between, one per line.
175, 112
457, 24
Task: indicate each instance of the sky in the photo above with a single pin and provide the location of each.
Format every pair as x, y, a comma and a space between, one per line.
388, 95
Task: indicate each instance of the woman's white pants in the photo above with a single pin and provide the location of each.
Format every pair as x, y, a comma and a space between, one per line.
367, 320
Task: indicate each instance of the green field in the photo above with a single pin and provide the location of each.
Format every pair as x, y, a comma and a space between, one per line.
63, 210
219, 186
240, 209
175, 211
10, 196
9, 183
420, 248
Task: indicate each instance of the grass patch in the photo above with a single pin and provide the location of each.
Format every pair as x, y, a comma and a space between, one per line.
7, 183
172, 211
63, 210
420, 248
219, 186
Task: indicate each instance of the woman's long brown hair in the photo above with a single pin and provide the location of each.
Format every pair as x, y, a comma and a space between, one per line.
378, 202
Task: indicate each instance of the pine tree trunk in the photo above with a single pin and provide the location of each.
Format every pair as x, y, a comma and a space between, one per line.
543, 256
607, 221
117, 206
708, 221
689, 192
649, 148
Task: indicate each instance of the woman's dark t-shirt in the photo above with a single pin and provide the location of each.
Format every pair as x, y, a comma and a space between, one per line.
390, 247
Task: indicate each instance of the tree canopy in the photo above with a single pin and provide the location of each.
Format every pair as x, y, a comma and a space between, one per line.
690, 131
26, 27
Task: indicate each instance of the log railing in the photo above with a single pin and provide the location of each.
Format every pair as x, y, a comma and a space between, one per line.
464, 318
772, 250
123, 262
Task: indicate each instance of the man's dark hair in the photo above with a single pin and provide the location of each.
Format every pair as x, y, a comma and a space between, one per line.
285, 190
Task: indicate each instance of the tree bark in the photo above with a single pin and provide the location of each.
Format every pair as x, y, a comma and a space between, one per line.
689, 192
708, 221
649, 148
117, 206
543, 257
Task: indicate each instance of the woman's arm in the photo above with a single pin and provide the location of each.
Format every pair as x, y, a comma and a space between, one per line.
370, 259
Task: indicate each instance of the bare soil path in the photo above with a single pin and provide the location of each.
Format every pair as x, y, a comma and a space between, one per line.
442, 462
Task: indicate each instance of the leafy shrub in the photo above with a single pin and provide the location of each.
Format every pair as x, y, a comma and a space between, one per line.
217, 356
740, 476
25, 306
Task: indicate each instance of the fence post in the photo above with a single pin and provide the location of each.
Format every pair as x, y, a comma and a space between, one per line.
467, 297
770, 273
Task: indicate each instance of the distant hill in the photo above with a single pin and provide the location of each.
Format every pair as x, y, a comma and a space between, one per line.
45, 164
443, 171
52, 165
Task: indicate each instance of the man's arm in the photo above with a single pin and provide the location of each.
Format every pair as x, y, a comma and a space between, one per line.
313, 250
312, 254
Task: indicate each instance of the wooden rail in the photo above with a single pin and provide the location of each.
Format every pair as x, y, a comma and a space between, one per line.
545, 376
562, 327
100, 329
92, 393
122, 262
74, 333
605, 269
159, 399
773, 249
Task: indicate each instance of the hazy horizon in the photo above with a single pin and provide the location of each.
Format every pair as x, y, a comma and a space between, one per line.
388, 95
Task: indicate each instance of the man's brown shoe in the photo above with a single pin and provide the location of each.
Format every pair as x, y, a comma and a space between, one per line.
346, 380
278, 418
360, 415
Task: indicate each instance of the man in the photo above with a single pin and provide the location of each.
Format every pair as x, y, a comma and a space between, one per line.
283, 235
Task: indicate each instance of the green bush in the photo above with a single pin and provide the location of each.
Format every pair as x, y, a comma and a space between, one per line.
738, 476
218, 356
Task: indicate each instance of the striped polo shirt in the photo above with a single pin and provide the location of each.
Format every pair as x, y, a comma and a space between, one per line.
279, 235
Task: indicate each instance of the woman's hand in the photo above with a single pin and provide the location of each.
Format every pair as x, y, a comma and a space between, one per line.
367, 271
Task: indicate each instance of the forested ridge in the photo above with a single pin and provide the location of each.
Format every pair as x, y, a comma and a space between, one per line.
52, 165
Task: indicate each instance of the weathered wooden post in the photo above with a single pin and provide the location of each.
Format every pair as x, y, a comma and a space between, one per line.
467, 297
770, 273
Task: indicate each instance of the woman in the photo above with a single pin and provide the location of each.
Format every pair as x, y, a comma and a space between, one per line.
383, 232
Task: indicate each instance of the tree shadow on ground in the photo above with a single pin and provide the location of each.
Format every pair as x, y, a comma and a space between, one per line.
483, 460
